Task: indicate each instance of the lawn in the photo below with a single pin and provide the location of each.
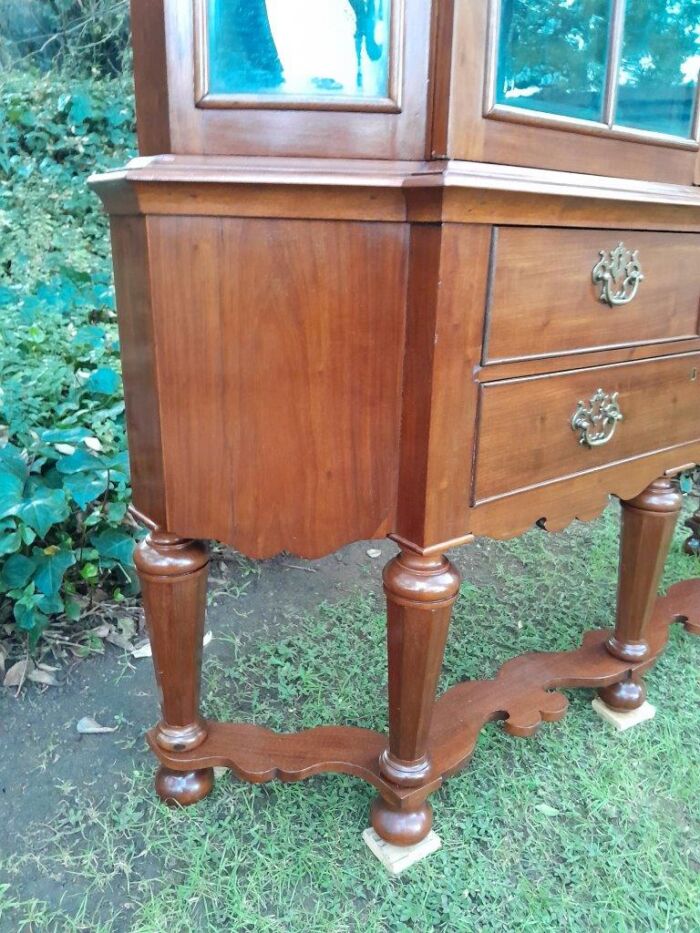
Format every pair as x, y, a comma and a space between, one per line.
576, 829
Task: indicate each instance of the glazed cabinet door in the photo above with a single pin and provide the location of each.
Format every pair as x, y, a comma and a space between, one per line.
324, 78
602, 86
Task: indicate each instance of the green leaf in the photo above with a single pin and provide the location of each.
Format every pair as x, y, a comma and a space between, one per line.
64, 435
28, 534
103, 381
52, 563
18, 571
51, 605
686, 483
114, 544
24, 616
45, 508
80, 109
72, 610
89, 572
79, 462
116, 512
30, 620
13, 475
86, 487
12, 461
90, 336
10, 541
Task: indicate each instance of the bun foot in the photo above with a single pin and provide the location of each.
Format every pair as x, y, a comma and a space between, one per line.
401, 827
183, 787
624, 696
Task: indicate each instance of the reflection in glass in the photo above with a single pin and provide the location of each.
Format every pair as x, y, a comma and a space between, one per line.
552, 56
299, 48
659, 67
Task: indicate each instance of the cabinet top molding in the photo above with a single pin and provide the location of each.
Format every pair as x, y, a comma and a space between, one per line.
444, 190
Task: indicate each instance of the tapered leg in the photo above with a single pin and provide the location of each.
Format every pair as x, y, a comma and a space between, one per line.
647, 528
173, 574
420, 592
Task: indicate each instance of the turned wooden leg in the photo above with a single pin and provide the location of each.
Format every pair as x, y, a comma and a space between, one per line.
420, 592
173, 574
647, 528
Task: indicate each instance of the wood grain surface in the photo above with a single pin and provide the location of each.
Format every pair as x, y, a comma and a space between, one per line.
526, 437
542, 285
279, 383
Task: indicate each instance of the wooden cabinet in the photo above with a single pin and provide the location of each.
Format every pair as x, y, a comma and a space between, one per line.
425, 270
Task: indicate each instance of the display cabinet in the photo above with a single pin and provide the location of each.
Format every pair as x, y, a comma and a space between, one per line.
408, 268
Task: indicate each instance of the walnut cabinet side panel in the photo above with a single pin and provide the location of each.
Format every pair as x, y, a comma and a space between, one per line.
278, 350
132, 282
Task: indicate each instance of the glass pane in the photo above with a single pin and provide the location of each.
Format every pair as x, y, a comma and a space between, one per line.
659, 67
552, 56
299, 48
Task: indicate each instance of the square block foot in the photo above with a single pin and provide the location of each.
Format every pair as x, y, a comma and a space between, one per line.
622, 721
398, 858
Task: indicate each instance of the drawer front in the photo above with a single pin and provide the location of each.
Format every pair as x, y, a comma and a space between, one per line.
527, 434
544, 301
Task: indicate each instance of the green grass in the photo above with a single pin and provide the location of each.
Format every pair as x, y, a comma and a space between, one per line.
621, 853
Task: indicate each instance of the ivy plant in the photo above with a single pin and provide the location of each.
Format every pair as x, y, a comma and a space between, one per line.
64, 474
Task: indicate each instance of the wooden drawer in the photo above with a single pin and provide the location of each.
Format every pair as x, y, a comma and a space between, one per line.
543, 300
526, 436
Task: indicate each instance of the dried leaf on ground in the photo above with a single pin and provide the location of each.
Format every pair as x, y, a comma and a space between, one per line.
17, 674
121, 641
143, 650
546, 809
42, 677
89, 726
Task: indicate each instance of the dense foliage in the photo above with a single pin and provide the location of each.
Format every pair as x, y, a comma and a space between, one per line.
88, 37
64, 487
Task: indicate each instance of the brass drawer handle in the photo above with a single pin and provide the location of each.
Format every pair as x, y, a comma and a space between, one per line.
619, 274
596, 422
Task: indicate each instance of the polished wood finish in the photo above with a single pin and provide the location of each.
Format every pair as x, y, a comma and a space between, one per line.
148, 39
648, 521
183, 787
136, 327
522, 695
443, 341
275, 371
554, 505
344, 323
173, 575
420, 592
542, 283
659, 400
421, 192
